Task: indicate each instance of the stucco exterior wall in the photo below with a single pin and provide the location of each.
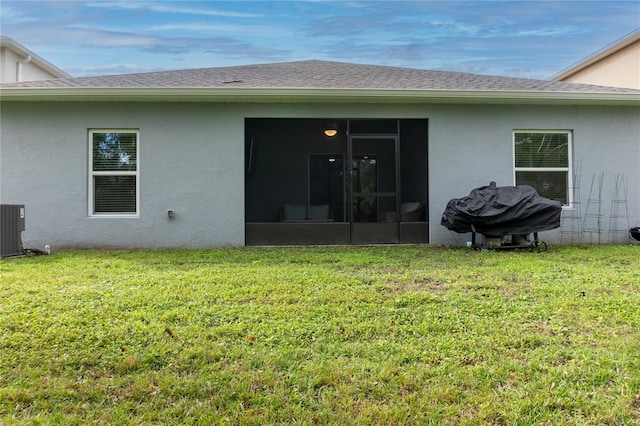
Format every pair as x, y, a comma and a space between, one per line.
192, 161
471, 146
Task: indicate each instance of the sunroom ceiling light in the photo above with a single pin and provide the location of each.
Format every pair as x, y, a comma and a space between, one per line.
331, 132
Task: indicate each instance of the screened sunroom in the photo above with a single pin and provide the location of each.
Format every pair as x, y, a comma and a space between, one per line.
335, 181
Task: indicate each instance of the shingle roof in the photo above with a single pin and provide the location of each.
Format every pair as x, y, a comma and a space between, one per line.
317, 75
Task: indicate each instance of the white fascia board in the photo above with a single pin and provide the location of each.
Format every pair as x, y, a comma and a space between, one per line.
313, 95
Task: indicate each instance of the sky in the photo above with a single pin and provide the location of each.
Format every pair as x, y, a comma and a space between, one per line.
530, 39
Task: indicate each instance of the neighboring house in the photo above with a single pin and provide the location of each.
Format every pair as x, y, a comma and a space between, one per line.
243, 155
617, 65
17, 64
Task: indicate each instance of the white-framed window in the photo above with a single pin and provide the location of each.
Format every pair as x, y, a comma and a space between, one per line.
542, 159
114, 172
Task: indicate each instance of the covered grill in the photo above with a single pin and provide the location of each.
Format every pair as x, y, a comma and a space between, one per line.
504, 215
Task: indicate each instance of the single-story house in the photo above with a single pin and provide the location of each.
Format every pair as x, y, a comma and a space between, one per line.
310, 152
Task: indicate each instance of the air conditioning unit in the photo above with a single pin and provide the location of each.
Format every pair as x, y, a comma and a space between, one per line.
11, 227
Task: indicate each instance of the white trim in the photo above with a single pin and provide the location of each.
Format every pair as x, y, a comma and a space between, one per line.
542, 169
568, 170
114, 173
292, 95
91, 174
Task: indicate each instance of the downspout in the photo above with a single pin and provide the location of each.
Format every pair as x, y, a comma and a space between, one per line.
19, 67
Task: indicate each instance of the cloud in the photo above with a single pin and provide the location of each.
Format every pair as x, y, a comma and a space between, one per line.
221, 45
445, 20
166, 8
255, 30
110, 70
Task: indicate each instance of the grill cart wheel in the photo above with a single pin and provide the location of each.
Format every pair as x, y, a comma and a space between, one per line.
635, 233
539, 246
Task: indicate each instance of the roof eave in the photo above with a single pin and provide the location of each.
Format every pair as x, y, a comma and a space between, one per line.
313, 95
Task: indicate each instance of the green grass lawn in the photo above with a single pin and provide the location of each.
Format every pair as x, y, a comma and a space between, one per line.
348, 335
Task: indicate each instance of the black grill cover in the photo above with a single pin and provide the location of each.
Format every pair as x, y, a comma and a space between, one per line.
498, 211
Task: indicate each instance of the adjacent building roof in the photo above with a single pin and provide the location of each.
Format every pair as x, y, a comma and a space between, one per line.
617, 64
20, 50
308, 80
